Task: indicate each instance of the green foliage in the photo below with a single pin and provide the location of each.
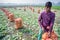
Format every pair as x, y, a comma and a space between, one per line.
30, 22
56, 7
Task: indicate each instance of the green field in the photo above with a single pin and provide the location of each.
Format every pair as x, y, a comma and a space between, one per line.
30, 24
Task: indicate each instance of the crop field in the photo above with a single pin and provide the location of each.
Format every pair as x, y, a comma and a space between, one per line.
30, 23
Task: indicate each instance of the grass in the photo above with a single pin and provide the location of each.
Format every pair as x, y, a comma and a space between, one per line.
53, 7
56, 7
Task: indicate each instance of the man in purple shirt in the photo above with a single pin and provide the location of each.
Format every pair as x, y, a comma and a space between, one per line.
46, 20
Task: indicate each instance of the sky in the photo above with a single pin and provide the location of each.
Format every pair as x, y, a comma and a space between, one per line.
28, 1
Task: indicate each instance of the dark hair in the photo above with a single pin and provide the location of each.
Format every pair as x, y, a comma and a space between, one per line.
48, 4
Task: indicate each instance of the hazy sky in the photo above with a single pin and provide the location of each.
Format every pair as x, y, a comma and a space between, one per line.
28, 1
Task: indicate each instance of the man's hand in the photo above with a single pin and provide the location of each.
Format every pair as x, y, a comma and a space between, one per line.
49, 34
48, 27
42, 28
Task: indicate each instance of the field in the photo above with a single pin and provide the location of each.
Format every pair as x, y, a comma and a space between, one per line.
30, 23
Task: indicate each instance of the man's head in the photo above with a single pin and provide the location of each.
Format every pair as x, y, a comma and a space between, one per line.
48, 6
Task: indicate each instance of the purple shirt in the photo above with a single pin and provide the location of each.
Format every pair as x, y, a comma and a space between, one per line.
46, 19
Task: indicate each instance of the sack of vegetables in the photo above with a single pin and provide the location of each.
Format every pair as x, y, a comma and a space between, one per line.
38, 11
45, 36
18, 23
11, 17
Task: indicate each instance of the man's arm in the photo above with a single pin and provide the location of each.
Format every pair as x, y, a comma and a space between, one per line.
51, 25
40, 19
52, 22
